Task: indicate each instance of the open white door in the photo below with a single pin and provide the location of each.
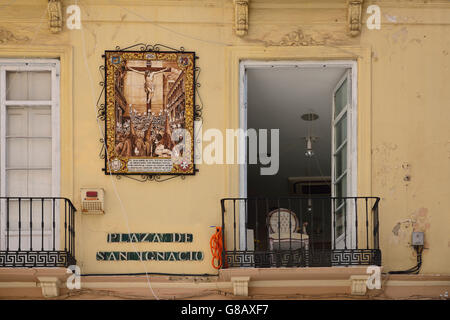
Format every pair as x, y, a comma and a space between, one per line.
341, 163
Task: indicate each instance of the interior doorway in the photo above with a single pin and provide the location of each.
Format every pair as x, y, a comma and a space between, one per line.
313, 104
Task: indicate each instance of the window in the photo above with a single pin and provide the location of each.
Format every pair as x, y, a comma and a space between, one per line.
29, 140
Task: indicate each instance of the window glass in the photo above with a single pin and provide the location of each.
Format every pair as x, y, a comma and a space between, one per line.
340, 98
341, 161
341, 131
40, 121
28, 85
340, 222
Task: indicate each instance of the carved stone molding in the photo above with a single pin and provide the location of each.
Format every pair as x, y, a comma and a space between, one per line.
54, 15
240, 286
49, 286
7, 36
359, 284
354, 17
241, 17
298, 38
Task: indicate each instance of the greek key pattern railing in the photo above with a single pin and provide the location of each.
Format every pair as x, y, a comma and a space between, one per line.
302, 258
37, 232
29, 259
300, 232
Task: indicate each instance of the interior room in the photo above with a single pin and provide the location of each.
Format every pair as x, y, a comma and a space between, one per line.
296, 100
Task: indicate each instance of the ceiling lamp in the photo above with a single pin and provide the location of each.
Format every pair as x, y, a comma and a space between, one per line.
310, 116
309, 139
309, 150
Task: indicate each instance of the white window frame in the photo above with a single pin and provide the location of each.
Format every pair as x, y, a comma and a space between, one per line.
244, 65
52, 65
346, 239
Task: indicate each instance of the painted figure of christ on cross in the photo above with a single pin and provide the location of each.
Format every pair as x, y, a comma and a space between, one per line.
149, 73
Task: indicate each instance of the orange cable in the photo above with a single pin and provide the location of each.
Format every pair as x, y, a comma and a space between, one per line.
217, 247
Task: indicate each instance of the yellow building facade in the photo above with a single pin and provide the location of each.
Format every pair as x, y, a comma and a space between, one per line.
402, 140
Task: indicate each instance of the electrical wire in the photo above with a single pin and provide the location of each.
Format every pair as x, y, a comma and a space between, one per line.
416, 268
124, 213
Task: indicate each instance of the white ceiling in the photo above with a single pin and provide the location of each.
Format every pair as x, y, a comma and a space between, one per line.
277, 97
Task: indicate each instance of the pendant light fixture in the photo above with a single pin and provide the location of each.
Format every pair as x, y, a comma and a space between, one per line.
309, 152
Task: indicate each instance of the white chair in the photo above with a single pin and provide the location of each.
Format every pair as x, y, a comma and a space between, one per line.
284, 231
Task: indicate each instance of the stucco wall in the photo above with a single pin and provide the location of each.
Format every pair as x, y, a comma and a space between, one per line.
409, 114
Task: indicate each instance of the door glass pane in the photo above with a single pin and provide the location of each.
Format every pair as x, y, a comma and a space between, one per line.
16, 121
341, 131
40, 121
341, 161
40, 153
16, 183
340, 98
340, 214
40, 183
341, 187
28, 85
39, 85
16, 153
16, 85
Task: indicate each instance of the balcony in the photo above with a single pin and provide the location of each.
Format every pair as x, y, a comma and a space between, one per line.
300, 232
37, 232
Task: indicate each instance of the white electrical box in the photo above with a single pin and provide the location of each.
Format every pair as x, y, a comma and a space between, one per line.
418, 239
92, 201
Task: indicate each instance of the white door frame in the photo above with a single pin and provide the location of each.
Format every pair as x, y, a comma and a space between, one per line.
52, 65
244, 65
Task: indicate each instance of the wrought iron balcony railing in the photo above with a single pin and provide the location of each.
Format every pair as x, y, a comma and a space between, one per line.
300, 232
37, 232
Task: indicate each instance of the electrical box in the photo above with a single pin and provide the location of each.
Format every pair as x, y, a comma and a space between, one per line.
418, 239
92, 201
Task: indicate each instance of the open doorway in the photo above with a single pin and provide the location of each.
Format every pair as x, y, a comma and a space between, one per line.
313, 104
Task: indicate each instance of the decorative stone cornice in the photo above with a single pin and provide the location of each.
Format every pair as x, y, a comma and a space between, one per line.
54, 15
354, 17
7, 36
241, 17
300, 38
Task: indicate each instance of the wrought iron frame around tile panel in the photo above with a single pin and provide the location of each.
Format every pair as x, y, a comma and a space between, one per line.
101, 109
